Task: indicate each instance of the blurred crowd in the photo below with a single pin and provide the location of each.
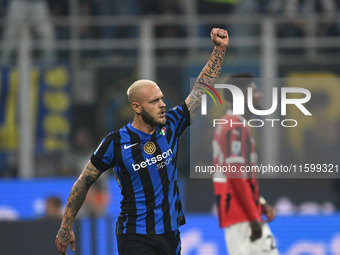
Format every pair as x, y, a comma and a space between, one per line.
114, 8
83, 140
83, 143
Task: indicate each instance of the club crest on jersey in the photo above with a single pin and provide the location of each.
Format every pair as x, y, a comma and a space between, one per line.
162, 131
149, 148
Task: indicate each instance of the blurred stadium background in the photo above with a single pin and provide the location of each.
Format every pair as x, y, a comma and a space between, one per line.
62, 89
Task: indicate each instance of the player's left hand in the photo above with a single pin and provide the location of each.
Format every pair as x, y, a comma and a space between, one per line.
269, 212
65, 237
220, 37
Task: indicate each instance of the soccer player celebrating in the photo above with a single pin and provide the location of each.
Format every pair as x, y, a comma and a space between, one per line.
143, 155
238, 201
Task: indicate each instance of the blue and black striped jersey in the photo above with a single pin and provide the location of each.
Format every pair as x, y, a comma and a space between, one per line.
145, 166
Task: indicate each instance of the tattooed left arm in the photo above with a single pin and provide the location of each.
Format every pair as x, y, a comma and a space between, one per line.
210, 72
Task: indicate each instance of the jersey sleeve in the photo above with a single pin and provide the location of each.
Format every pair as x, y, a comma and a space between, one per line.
179, 116
103, 157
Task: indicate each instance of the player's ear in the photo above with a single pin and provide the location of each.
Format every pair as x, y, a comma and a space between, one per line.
136, 107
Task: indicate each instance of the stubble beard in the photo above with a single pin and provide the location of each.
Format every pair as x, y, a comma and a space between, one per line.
148, 119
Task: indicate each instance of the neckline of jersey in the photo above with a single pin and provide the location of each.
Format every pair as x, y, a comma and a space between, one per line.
129, 125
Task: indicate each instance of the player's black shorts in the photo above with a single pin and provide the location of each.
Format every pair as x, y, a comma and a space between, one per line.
139, 244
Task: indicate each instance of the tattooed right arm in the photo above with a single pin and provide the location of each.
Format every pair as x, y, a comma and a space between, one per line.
74, 202
78, 193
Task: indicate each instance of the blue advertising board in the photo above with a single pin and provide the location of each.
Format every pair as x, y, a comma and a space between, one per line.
26, 198
295, 234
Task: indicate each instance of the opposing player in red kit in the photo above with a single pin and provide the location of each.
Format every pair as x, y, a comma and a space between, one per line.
239, 204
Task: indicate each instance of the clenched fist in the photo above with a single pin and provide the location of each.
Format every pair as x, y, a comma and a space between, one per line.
220, 37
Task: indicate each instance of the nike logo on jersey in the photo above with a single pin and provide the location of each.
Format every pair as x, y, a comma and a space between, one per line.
129, 146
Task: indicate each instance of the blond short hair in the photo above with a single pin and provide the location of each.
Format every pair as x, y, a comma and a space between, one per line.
134, 88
